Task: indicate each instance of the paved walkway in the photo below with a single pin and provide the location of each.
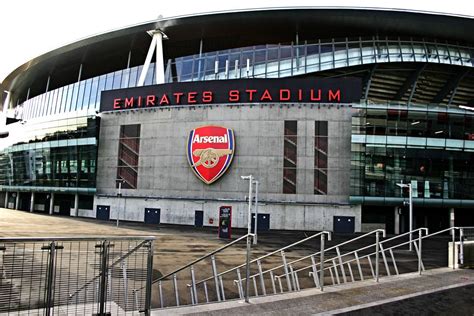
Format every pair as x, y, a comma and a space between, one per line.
339, 299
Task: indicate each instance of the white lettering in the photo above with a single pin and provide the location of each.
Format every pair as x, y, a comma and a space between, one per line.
210, 139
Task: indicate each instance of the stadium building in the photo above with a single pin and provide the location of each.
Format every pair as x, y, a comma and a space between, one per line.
328, 108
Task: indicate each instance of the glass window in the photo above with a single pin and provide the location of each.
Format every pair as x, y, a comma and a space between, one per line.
87, 94
109, 80
64, 99
117, 79
93, 93
70, 91
80, 96
125, 78
133, 77
75, 93
57, 105
149, 79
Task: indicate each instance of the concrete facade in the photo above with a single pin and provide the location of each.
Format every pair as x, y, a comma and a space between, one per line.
166, 181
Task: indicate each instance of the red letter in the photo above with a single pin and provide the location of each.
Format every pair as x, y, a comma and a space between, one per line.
266, 96
117, 104
192, 97
250, 92
234, 96
129, 102
312, 95
335, 96
177, 96
164, 99
207, 97
287, 97
150, 100
139, 101
300, 95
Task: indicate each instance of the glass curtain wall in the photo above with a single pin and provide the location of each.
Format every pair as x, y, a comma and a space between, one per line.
431, 150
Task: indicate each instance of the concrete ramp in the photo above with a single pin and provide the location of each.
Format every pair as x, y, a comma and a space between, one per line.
352, 297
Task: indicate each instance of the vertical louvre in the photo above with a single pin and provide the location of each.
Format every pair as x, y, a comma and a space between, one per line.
129, 148
289, 157
321, 157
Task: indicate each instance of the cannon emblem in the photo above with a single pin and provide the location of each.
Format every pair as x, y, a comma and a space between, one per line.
209, 157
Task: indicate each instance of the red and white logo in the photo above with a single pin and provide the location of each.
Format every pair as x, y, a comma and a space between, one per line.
210, 151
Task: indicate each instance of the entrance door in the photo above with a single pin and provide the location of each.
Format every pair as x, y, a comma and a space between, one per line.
263, 223
65, 208
344, 224
152, 216
103, 212
198, 218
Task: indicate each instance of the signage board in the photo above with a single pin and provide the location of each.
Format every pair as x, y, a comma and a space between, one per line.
225, 222
238, 91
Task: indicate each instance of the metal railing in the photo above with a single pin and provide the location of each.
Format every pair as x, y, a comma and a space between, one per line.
84, 275
259, 260
171, 280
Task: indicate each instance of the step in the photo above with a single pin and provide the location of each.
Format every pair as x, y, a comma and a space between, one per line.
313, 301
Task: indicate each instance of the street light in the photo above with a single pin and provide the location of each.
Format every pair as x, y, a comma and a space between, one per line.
256, 212
249, 224
410, 203
119, 195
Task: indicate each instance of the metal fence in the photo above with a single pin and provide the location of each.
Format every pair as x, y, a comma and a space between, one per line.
63, 276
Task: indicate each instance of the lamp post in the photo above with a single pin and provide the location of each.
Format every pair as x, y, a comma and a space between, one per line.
249, 225
256, 213
410, 204
119, 195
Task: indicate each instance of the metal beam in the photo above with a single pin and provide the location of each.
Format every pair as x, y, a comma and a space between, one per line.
410, 83
450, 86
368, 79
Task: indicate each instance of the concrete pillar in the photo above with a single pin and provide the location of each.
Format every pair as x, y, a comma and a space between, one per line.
17, 201
32, 202
76, 205
51, 204
396, 228
6, 199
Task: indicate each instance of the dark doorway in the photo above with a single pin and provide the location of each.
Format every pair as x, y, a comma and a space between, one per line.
25, 200
463, 217
263, 223
65, 208
103, 212
344, 224
198, 218
152, 216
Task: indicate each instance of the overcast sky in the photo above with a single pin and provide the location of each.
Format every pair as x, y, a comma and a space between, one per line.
31, 28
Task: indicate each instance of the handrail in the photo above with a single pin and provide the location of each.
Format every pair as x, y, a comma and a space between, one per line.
88, 238
268, 254
371, 254
203, 257
395, 246
370, 246
447, 229
317, 253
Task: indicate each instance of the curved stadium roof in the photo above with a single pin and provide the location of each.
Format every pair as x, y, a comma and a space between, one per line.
221, 30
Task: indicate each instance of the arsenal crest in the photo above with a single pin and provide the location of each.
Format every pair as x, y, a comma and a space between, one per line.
210, 151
